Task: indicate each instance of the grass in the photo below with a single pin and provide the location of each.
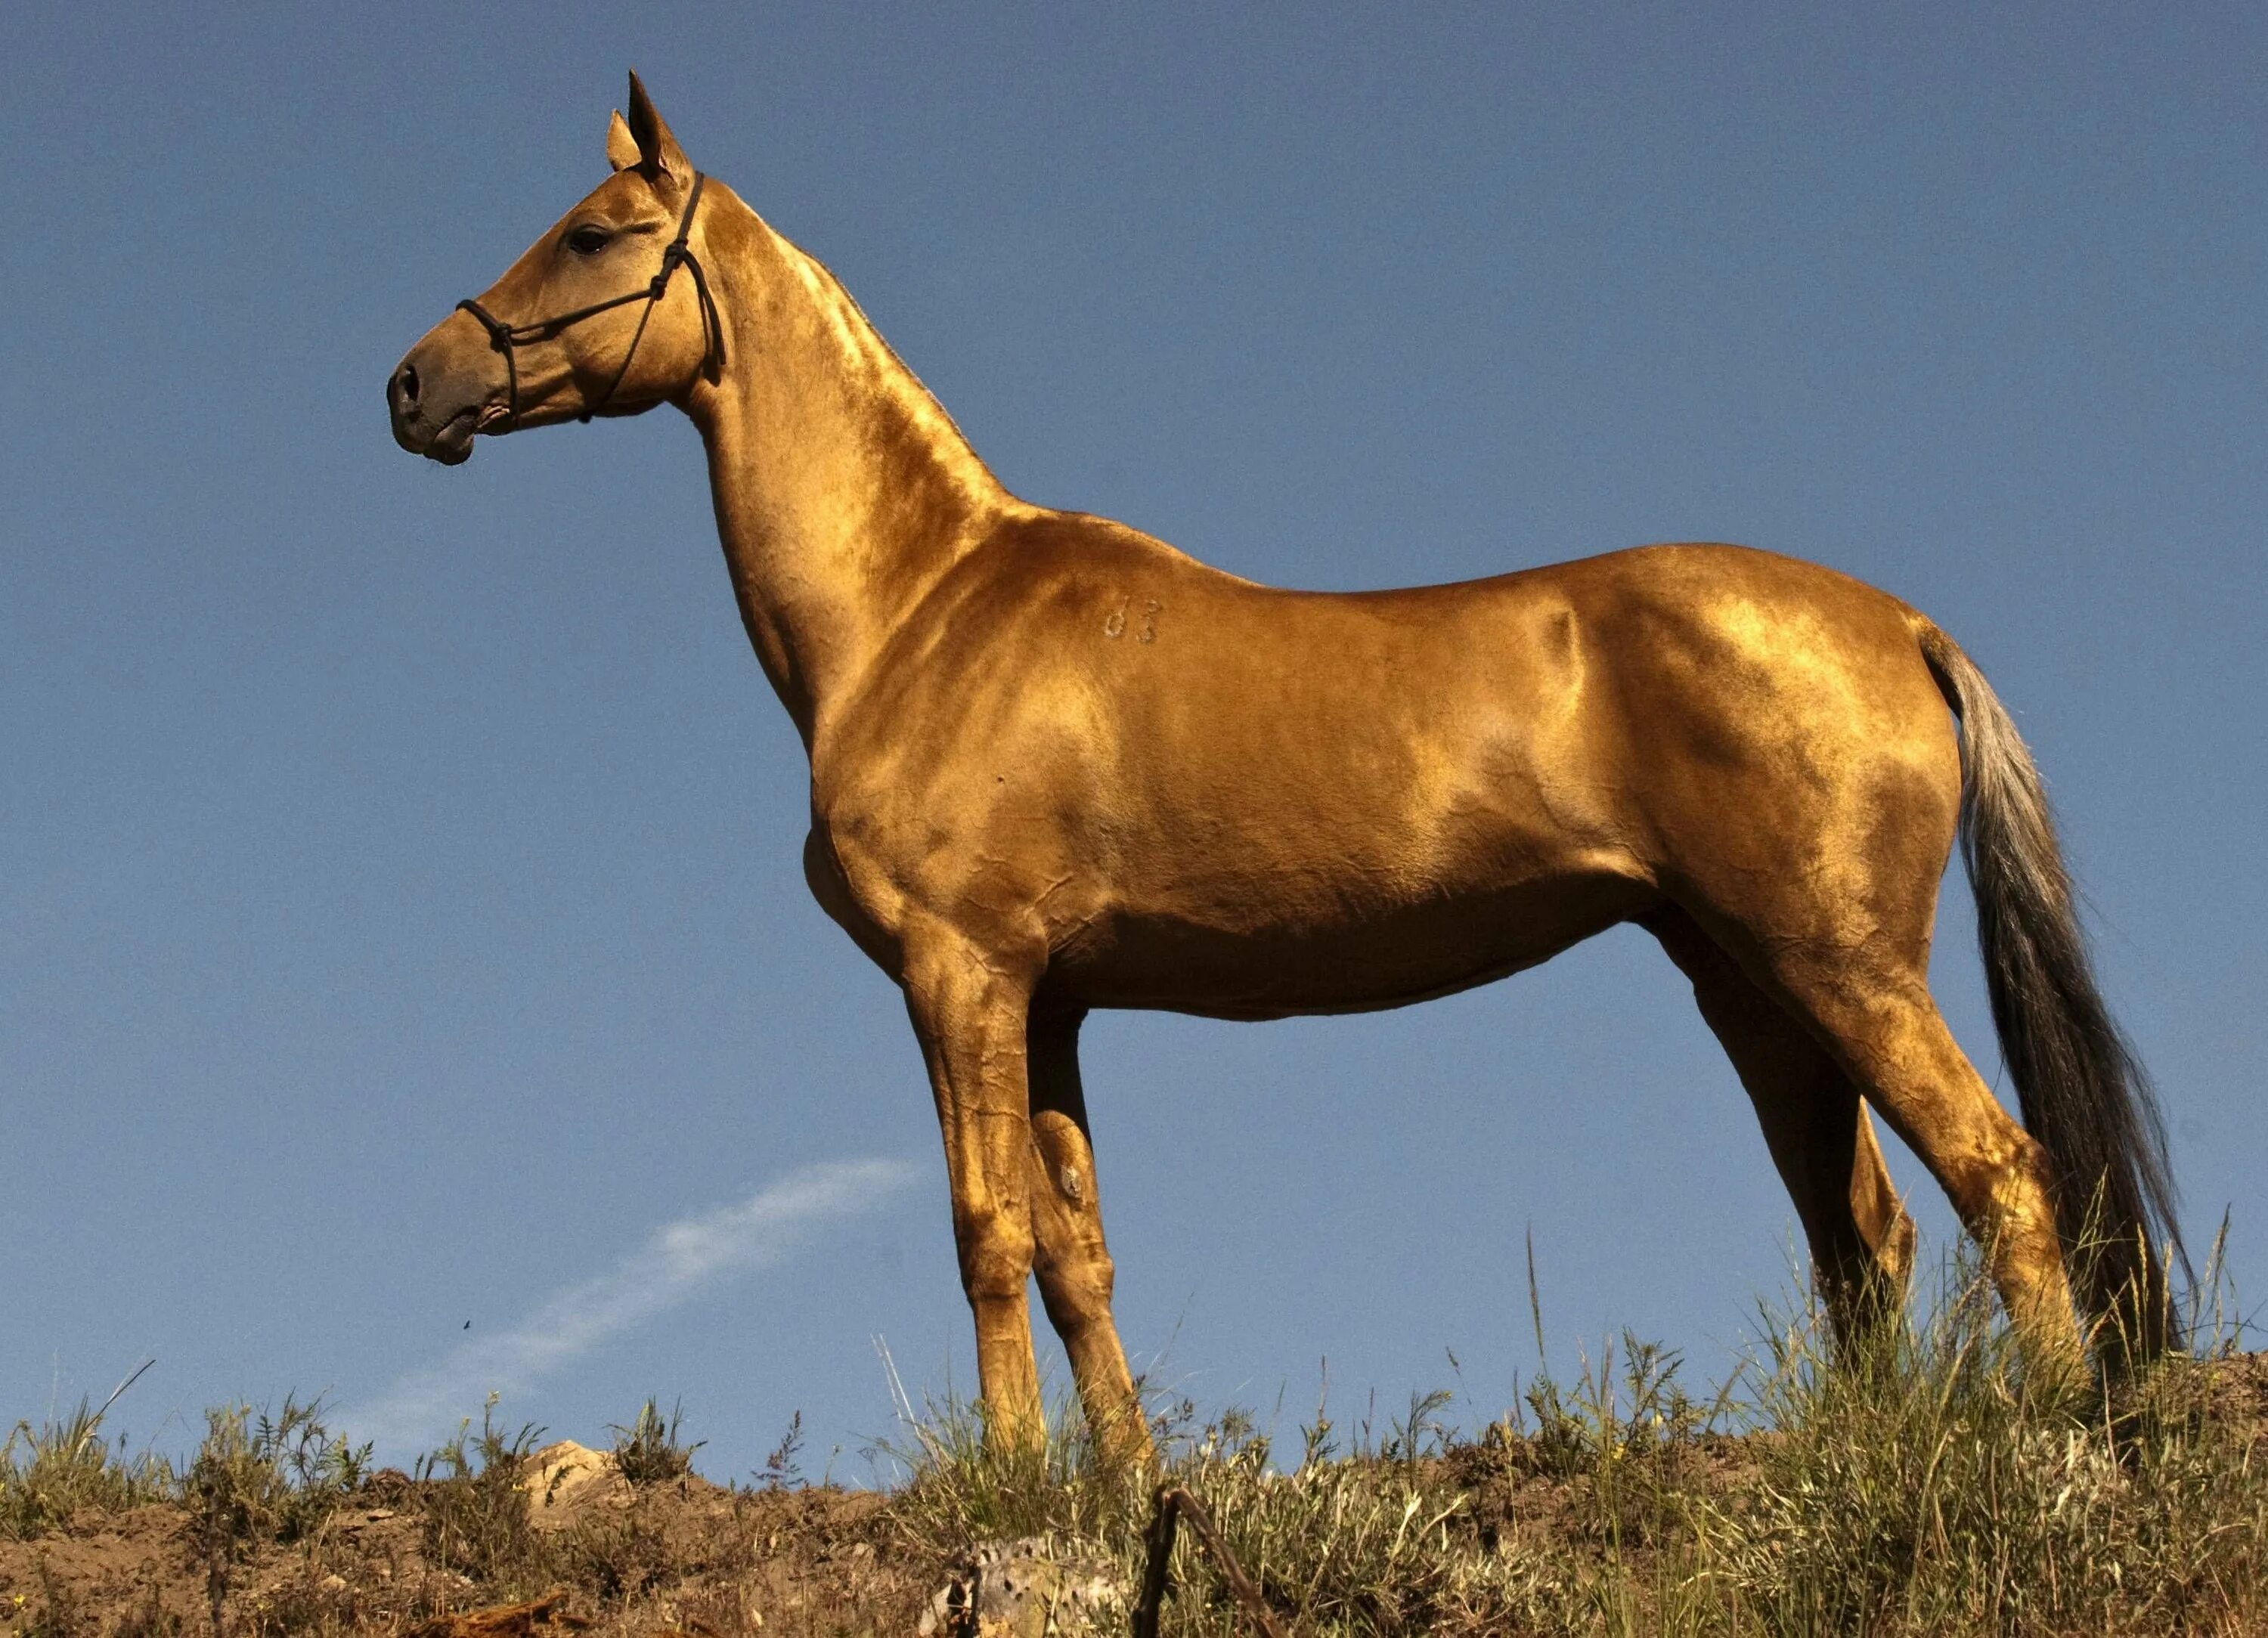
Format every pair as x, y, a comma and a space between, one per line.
49, 1473
474, 1511
1924, 1483
275, 1478
259, 1480
67, 1466
255, 1477
650, 1451
1928, 1486
256, 1481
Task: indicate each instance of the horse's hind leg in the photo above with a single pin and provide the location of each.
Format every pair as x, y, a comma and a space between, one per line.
1071, 1259
1815, 1124
1874, 1014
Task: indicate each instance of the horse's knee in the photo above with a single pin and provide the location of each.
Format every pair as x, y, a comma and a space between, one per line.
1074, 1265
996, 1254
1066, 1165
2023, 1208
1077, 1287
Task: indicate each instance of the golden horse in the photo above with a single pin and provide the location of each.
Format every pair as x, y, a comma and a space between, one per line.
1058, 764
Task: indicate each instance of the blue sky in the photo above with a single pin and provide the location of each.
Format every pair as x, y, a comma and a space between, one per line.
403, 947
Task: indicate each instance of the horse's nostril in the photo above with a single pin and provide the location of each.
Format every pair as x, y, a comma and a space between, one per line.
407, 382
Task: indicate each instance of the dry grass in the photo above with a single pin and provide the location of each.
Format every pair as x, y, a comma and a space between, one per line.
255, 1477
1927, 1484
652, 1450
474, 1513
49, 1473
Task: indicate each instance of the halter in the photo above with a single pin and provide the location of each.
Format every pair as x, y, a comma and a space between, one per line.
503, 337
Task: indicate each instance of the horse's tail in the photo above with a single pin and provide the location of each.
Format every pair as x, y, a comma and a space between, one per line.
2083, 1091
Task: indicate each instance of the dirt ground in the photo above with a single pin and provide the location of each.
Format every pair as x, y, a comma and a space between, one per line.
411, 1559
684, 1556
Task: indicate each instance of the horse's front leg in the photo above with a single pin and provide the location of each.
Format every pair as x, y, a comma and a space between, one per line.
1073, 1263
969, 1011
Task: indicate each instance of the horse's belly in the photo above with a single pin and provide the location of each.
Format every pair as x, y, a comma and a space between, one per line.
1357, 960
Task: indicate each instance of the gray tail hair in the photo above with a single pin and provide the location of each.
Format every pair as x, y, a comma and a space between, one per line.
2085, 1096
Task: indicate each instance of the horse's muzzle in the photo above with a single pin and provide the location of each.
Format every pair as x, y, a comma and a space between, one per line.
436, 405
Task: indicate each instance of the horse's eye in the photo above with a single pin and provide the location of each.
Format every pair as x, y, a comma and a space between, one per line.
588, 240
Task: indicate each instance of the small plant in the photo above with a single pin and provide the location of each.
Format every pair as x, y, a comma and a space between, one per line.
649, 1450
618, 1558
149, 1619
52, 1471
272, 1478
475, 1512
1318, 1439
1422, 1432
58, 1614
259, 1479
781, 1470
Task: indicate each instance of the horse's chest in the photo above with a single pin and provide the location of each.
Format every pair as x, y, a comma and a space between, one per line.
831, 884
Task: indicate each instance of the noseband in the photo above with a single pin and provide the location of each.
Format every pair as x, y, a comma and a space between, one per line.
504, 337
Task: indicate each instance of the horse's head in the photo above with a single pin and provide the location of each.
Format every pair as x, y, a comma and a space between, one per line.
607, 313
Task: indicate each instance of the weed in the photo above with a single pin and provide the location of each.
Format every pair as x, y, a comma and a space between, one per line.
58, 1614
1922, 1482
273, 1478
259, 1479
1422, 1432
781, 1470
48, 1473
149, 1618
617, 1558
649, 1450
475, 1513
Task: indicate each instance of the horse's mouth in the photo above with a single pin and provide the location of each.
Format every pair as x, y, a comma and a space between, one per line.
453, 445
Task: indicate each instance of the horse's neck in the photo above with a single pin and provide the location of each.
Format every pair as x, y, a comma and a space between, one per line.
842, 491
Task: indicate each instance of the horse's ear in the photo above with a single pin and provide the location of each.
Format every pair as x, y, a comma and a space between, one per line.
659, 155
621, 147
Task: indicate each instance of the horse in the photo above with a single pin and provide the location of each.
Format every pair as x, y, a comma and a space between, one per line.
1058, 765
